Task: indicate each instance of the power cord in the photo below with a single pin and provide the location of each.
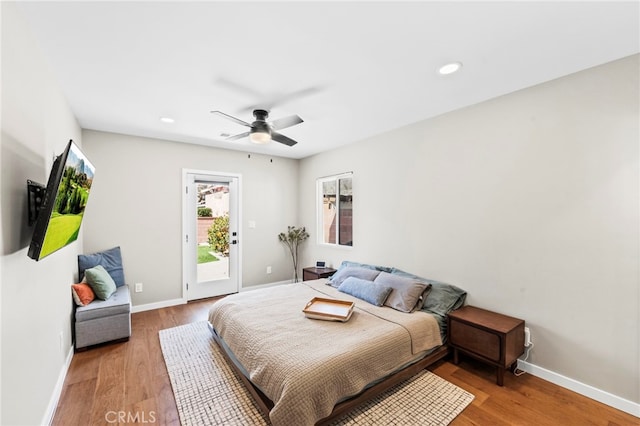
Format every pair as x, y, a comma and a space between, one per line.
517, 372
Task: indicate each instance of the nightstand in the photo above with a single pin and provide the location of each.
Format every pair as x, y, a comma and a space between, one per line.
313, 273
490, 337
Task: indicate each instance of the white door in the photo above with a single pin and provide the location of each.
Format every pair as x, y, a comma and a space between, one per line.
211, 219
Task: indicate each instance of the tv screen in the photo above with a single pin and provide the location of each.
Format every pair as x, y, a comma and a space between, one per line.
64, 200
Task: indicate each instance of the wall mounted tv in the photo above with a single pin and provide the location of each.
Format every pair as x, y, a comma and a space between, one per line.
58, 208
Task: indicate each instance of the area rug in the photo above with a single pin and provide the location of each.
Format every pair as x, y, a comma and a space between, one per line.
208, 392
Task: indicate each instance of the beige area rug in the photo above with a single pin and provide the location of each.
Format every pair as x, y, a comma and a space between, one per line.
208, 392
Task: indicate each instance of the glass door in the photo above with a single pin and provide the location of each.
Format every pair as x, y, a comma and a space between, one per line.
211, 240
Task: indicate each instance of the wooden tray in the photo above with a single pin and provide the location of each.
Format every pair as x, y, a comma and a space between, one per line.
328, 309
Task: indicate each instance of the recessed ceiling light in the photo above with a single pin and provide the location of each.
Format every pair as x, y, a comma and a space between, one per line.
450, 68
167, 119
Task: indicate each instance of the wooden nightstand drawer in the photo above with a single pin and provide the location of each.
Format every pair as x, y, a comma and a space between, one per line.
475, 340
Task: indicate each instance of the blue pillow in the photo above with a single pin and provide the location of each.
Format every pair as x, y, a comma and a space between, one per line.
111, 260
368, 291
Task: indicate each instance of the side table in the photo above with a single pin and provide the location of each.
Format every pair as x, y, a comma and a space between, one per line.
313, 273
490, 337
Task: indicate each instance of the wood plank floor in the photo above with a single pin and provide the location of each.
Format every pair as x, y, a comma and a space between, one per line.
125, 383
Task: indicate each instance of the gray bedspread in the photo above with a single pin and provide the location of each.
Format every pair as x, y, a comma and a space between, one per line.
306, 366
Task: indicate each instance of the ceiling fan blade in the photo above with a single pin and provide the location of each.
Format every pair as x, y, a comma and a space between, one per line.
279, 137
229, 117
240, 88
283, 123
236, 137
302, 93
271, 102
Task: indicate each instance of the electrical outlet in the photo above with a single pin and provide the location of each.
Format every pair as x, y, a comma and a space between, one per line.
268, 269
138, 287
527, 337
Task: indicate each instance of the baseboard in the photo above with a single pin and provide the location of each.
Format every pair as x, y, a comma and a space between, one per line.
581, 388
57, 391
174, 302
157, 305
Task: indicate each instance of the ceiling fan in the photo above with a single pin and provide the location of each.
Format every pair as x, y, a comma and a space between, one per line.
263, 131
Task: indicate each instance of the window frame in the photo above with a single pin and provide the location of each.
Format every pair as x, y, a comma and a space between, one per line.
319, 209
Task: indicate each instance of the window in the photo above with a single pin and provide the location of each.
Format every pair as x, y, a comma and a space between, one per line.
335, 209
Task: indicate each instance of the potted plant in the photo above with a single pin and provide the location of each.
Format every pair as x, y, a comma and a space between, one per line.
292, 238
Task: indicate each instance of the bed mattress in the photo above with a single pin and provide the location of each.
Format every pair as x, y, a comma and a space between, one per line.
306, 366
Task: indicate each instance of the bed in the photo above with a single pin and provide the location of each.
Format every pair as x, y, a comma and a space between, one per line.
306, 371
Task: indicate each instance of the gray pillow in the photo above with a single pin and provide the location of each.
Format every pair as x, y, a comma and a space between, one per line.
406, 291
442, 299
110, 259
423, 296
352, 271
368, 291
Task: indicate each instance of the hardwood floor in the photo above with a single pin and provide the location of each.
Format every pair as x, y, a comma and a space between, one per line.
125, 383
120, 383
524, 400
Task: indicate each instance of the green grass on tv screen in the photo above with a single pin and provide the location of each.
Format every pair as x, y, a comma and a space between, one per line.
62, 230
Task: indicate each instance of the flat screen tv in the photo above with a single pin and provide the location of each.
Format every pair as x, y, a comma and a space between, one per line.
62, 202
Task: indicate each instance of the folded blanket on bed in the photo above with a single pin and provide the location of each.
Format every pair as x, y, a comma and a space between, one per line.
306, 366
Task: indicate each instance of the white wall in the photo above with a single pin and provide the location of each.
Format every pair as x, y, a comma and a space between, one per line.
36, 299
528, 201
136, 203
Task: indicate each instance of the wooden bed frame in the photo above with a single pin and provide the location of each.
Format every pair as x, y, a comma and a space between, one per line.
265, 404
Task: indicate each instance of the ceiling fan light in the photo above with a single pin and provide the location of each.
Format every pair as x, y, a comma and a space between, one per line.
260, 137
